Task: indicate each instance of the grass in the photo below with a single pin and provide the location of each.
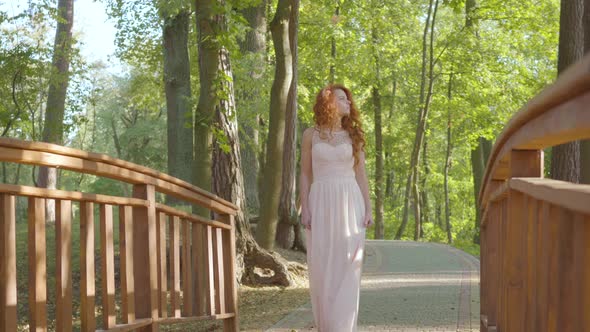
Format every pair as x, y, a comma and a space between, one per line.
468, 246
259, 308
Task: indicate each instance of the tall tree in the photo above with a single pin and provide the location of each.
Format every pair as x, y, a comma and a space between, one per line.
208, 46
227, 180
480, 154
211, 57
335, 19
248, 98
288, 223
448, 162
416, 149
53, 127
279, 97
424, 105
565, 158
178, 89
376, 98
390, 178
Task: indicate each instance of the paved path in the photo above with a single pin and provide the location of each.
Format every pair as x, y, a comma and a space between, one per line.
410, 287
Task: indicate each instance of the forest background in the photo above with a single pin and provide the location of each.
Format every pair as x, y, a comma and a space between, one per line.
217, 93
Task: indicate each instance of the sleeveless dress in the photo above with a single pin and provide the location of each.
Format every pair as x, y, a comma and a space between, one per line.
335, 243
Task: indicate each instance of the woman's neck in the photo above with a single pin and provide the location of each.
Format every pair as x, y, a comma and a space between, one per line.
337, 125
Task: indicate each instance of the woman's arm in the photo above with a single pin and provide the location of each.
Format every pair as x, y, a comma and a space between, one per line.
363, 182
306, 177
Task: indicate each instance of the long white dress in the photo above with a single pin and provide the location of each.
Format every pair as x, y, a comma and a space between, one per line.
335, 243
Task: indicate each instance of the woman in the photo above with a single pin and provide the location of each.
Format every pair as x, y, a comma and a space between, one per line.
336, 208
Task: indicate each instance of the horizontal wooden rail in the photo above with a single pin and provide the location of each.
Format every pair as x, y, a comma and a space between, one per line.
129, 327
575, 197
190, 217
70, 195
535, 232
194, 319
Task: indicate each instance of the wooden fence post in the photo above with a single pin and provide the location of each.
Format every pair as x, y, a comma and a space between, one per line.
490, 253
229, 261
523, 163
144, 256
8, 267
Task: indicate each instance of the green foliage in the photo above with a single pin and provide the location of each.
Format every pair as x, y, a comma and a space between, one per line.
499, 63
25, 59
497, 66
468, 246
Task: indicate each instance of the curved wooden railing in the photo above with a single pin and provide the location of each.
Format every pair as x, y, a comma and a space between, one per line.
535, 232
174, 266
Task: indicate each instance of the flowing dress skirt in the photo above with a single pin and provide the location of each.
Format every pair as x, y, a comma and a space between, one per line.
335, 246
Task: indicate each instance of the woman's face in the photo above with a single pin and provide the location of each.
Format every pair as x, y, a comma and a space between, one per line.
342, 102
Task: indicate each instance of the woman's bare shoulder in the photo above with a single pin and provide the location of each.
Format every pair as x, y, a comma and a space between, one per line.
308, 133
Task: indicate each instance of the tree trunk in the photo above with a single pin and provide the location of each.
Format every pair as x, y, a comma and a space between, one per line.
565, 159
585, 144
421, 130
333, 39
478, 166
425, 216
379, 226
448, 164
447, 200
470, 20
390, 178
207, 25
229, 184
438, 211
253, 46
279, 98
178, 94
418, 137
285, 235
56, 95
227, 178
378, 116
479, 156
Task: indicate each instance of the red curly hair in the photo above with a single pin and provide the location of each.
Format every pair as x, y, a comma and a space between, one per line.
325, 113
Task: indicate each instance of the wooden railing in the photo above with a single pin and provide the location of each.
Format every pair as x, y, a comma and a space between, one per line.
161, 249
535, 232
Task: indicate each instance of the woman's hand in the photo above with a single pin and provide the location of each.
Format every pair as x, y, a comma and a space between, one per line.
306, 218
368, 220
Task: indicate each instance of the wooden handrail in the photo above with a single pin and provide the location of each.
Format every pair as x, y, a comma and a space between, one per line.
52, 155
152, 237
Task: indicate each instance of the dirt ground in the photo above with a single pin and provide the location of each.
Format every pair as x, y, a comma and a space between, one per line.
261, 307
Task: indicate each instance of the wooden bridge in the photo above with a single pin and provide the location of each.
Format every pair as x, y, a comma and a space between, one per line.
155, 241
535, 235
